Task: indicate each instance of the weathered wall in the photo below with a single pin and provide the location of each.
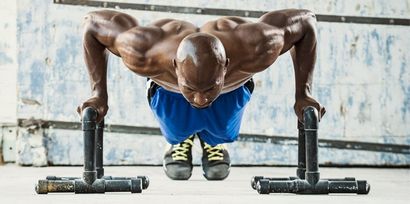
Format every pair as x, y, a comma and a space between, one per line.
8, 62
362, 77
379, 8
8, 80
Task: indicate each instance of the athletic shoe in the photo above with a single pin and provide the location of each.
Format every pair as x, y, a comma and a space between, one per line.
215, 161
177, 161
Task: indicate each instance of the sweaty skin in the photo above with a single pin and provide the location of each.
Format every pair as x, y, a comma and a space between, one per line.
200, 62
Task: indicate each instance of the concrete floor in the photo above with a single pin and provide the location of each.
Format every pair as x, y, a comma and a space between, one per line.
387, 186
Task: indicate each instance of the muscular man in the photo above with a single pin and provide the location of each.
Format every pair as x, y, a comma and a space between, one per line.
200, 78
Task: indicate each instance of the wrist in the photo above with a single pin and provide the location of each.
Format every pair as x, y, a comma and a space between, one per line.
303, 91
102, 95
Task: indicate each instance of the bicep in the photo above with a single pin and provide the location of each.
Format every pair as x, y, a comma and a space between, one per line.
295, 24
139, 39
105, 26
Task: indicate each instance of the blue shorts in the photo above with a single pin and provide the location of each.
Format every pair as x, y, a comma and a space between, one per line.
216, 124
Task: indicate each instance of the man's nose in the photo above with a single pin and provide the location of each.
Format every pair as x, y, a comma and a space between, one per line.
200, 99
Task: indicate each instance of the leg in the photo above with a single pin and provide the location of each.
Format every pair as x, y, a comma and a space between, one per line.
177, 160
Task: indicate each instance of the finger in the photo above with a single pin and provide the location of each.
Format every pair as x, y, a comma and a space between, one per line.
103, 113
98, 119
323, 111
300, 116
100, 114
319, 111
79, 110
297, 112
300, 119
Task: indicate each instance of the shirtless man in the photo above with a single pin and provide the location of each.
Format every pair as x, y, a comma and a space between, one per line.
200, 78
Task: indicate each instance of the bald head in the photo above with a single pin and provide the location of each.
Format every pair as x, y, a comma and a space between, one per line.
200, 64
198, 47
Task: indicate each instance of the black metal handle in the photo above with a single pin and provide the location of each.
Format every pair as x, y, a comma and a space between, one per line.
310, 118
308, 177
99, 145
89, 122
311, 124
93, 180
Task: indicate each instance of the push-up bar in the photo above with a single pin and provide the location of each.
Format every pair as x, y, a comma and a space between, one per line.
93, 179
307, 180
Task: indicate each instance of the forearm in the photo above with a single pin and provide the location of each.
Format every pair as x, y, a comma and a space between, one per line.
95, 57
101, 29
300, 37
304, 59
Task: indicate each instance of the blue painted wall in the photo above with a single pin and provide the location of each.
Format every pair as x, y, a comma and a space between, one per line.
362, 76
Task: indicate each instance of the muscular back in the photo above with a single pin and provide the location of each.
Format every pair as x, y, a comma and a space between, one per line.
251, 47
149, 50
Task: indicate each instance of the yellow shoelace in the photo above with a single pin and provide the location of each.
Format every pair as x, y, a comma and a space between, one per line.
180, 150
214, 153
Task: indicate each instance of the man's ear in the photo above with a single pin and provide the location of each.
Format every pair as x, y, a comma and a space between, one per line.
174, 62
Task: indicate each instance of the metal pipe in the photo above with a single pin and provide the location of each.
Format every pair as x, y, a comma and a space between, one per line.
49, 186
80, 186
301, 169
88, 127
311, 124
256, 179
99, 141
308, 157
323, 186
93, 167
144, 179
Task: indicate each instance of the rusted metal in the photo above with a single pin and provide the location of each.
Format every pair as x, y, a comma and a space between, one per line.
49, 186
91, 181
144, 179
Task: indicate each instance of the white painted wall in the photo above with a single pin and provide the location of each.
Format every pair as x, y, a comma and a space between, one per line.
8, 62
362, 77
379, 8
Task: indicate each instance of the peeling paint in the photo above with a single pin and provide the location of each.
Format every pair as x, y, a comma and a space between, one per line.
4, 59
362, 77
28, 101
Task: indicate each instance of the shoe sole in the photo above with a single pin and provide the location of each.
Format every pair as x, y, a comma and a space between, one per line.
175, 178
216, 179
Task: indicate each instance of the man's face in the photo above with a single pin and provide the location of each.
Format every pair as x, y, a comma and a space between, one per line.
201, 92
